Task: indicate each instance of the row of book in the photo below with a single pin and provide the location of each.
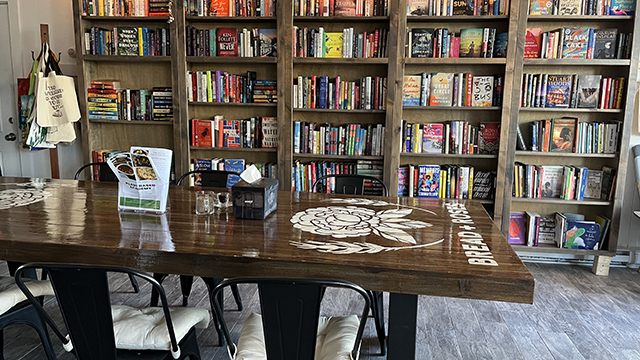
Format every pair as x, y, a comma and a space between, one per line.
446, 182
268, 170
569, 134
563, 182
457, 7
449, 89
320, 92
582, 7
456, 137
340, 7
231, 42
577, 43
328, 139
256, 132
127, 41
571, 91
347, 44
564, 230
105, 100
220, 86
125, 7
442, 43
304, 175
230, 8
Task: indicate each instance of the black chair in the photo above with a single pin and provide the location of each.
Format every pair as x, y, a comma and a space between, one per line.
105, 175
16, 309
290, 324
355, 184
100, 331
209, 178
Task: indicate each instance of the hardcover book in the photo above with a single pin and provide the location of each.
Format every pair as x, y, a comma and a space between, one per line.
547, 230
588, 91
202, 133
551, 181
268, 42
441, 89
582, 235
471, 42
517, 229
594, 184
333, 43
623, 7
411, 90
219, 8
432, 138
417, 7
429, 181
541, 7
500, 45
463, 7
605, 43
570, 7
482, 91
575, 42
403, 181
127, 41
489, 138
533, 43
227, 42
345, 8
421, 43
563, 133
269, 132
558, 91
234, 165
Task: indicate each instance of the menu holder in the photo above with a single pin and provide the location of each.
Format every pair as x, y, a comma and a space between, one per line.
143, 179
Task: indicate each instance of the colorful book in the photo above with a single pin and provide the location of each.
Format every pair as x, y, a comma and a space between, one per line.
563, 133
471, 42
236, 166
128, 43
411, 90
588, 91
558, 91
227, 42
429, 181
403, 181
517, 229
541, 7
219, 8
604, 229
268, 42
441, 89
345, 8
500, 45
623, 7
421, 43
333, 43
582, 235
533, 43
482, 91
489, 138
570, 7
575, 42
432, 138
605, 43
463, 7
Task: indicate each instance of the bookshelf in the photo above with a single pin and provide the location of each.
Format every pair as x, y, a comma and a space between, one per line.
146, 72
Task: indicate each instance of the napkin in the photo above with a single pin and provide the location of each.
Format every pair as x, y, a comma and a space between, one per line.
251, 174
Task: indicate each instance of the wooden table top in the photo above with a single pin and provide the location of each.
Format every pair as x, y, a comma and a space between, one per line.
405, 245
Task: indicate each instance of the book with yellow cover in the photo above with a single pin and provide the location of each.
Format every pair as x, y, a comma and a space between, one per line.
332, 47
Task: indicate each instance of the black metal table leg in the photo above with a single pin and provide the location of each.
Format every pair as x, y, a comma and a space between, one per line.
403, 311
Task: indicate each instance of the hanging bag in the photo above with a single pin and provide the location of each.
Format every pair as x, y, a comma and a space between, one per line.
37, 137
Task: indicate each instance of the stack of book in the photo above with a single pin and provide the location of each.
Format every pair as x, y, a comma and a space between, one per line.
568, 134
577, 43
341, 8
220, 86
449, 89
457, 137
162, 105
347, 44
231, 42
586, 7
457, 8
268, 170
571, 91
230, 8
256, 132
304, 175
328, 139
125, 7
320, 92
445, 182
563, 182
442, 43
127, 41
159, 7
102, 100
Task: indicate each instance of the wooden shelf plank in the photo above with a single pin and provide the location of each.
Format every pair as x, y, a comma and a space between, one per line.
456, 18
568, 18
456, 61
195, 103
231, 60
340, 18
559, 154
123, 58
133, 122
126, 18
431, 155
355, 111
338, 157
231, 18
550, 249
459, 108
610, 111
343, 61
581, 62
590, 202
233, 149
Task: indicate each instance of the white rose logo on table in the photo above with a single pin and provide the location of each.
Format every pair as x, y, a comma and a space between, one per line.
343, 222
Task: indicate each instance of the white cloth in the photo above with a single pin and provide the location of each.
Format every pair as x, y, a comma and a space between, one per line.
146, 329
336, 338
11, 295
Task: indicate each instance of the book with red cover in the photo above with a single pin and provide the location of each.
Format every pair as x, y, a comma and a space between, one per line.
533, 43
227, 42
201, 133
219, 8
489, 138
345, 8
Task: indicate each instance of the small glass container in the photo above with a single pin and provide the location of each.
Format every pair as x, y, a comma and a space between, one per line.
204, 203
224, 198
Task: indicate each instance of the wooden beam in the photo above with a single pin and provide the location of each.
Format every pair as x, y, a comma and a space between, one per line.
53, 153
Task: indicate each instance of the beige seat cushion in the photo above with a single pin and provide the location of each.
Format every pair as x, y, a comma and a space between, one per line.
11, 295
336, 338
146, 329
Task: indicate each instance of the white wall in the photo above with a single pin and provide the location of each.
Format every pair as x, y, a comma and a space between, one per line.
58, 14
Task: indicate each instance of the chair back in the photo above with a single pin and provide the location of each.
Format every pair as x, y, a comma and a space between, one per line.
104, 170
83, 296
290, 314
350, 184
209, 178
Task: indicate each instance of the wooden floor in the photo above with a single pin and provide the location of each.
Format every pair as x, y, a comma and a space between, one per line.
576, 315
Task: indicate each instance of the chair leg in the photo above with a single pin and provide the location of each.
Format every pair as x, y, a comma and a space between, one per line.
1, 344
186, 282
211, 284
189, 346
134, 283
154, 294
236, 296
41, 328
378, 315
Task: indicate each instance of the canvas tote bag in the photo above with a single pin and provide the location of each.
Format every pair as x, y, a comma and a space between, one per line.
57, 102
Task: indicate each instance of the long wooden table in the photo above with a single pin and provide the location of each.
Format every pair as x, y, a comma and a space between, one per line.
405, 246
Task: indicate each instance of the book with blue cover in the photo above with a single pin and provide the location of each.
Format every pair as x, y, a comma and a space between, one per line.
582, 235
234, 165
558, 91
403, 181
623, 7
575, 42
322, 92
500, 45
429, 181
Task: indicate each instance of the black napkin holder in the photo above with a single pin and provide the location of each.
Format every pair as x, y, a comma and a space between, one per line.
254, 200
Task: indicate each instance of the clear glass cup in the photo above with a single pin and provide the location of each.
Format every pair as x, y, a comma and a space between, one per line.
224, 198
204, 203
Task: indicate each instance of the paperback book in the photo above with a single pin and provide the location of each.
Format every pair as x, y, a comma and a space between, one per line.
441, 89
429, 181
432, 141
558, 91
471, 42
421, 43
588, 91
